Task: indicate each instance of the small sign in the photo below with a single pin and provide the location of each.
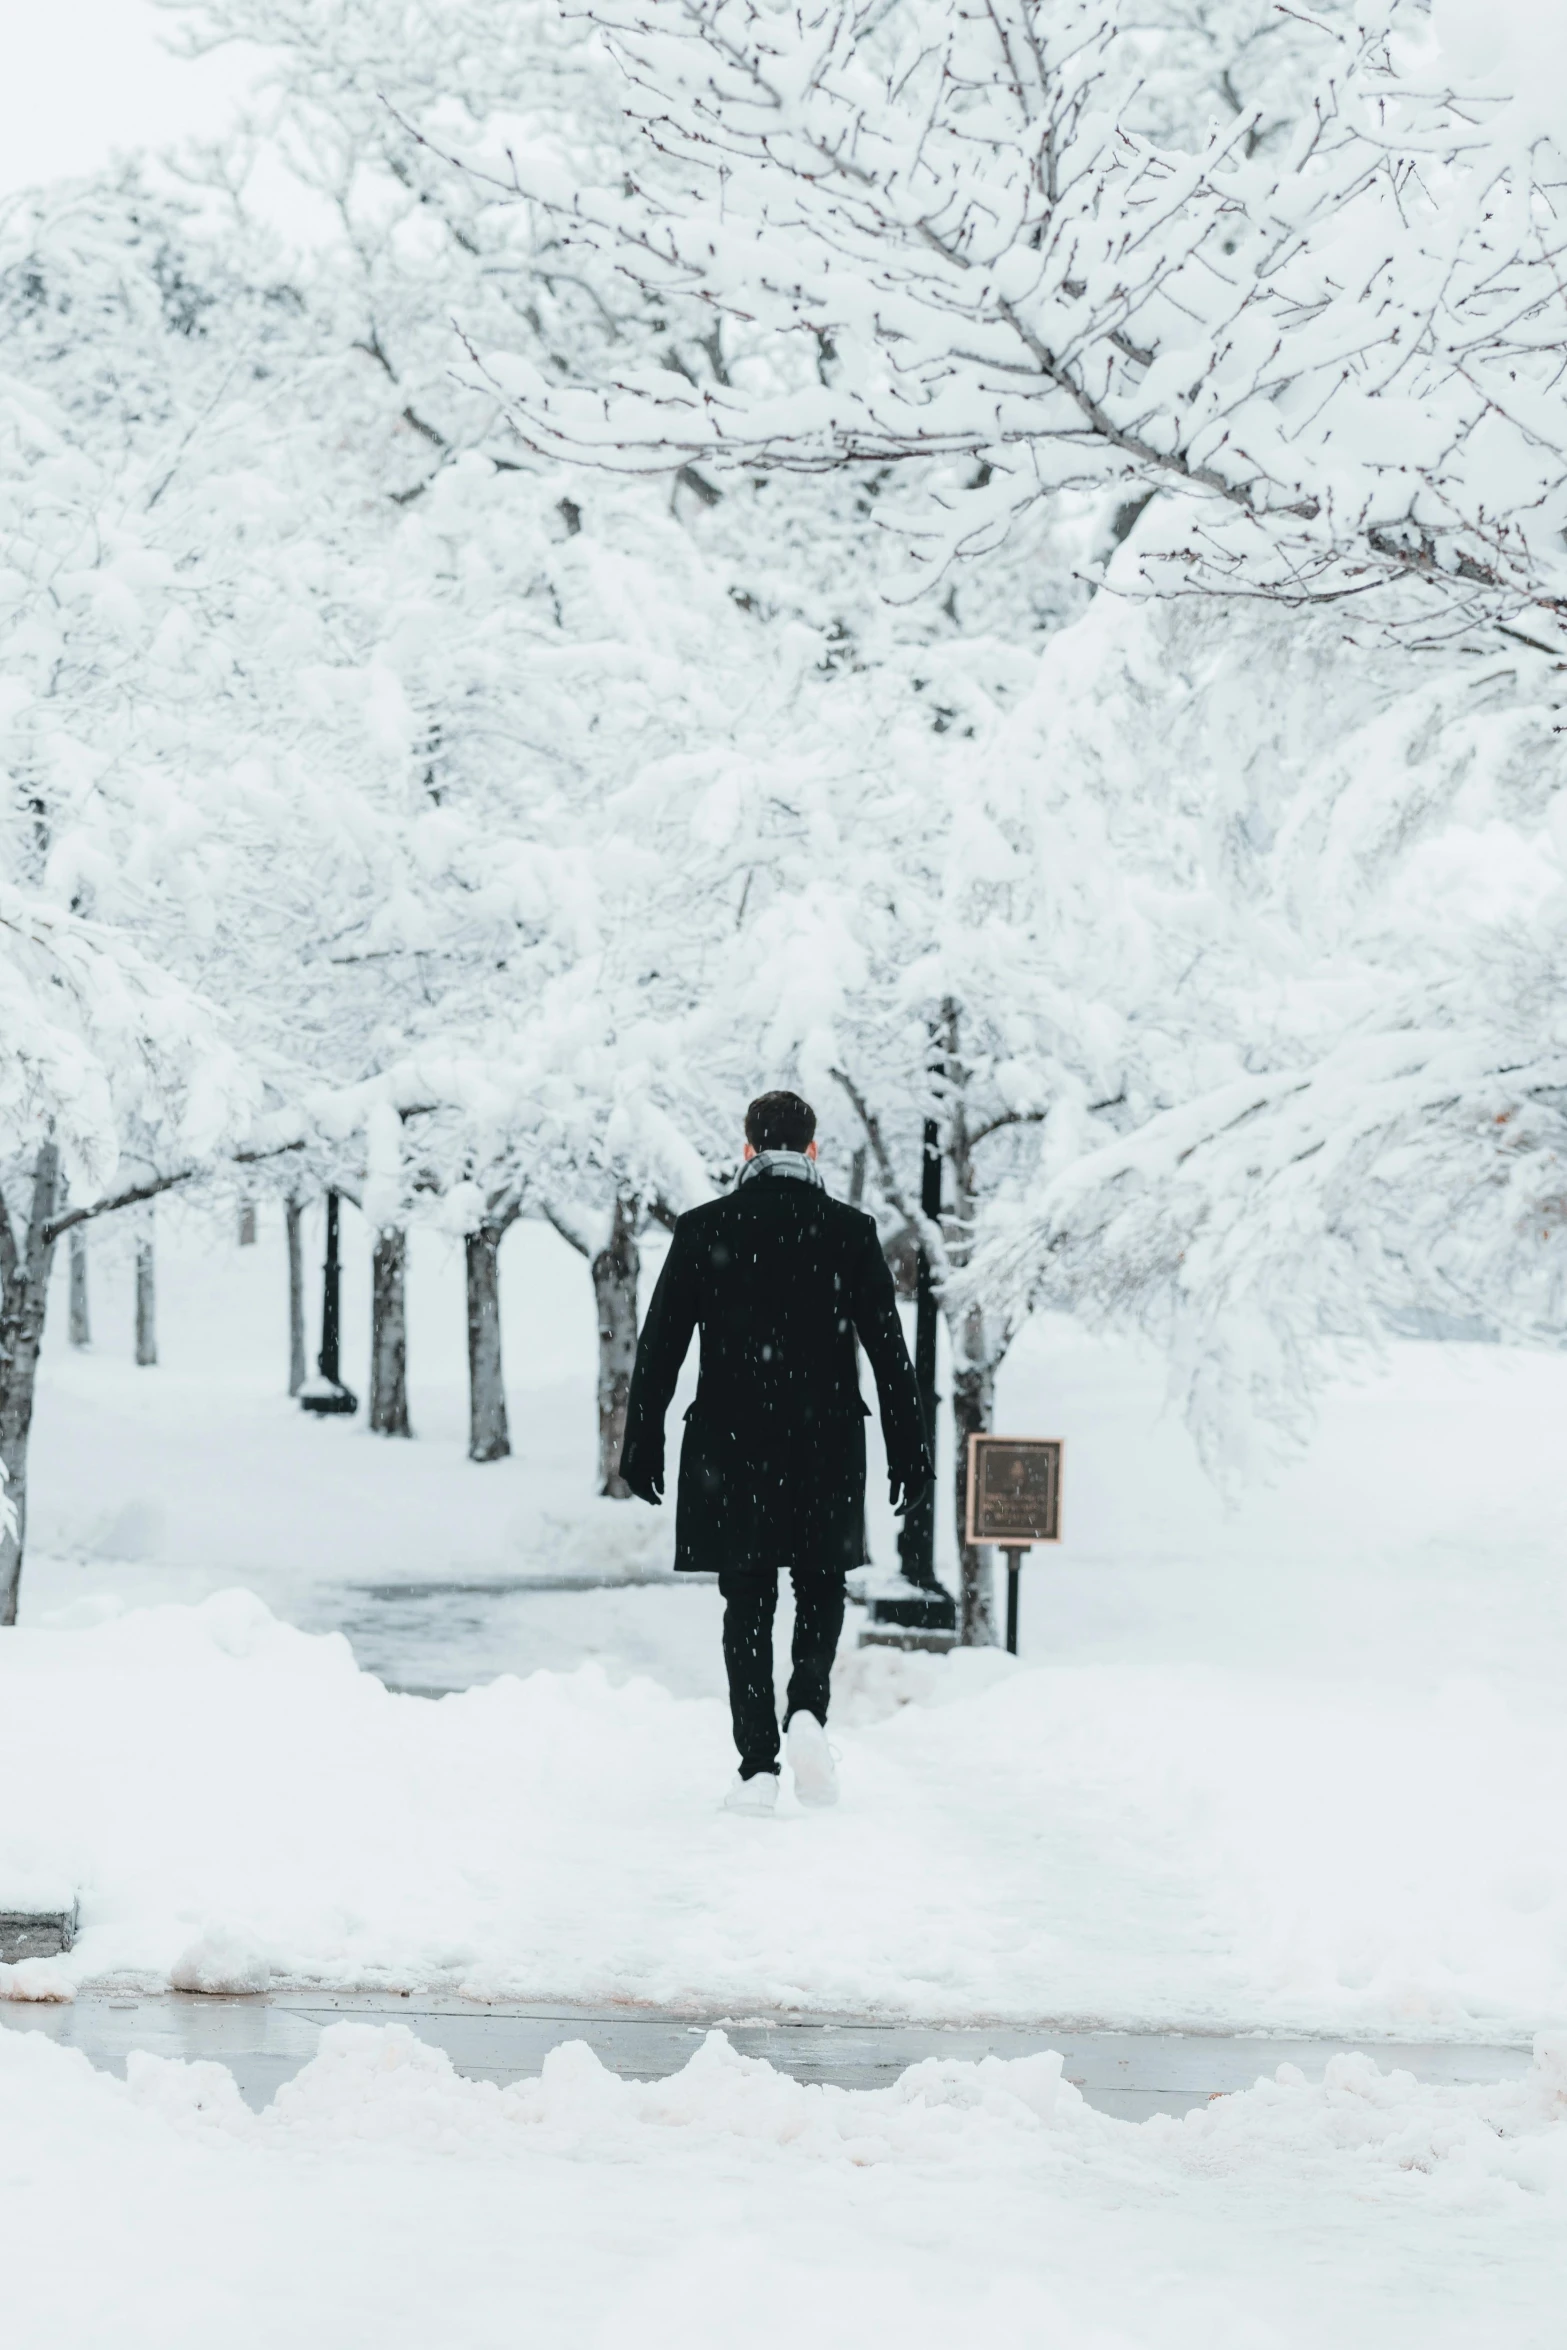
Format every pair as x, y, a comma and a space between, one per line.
1014, 1489
35, 1933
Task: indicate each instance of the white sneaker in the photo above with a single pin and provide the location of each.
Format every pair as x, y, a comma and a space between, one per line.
811, 1760
757, 1795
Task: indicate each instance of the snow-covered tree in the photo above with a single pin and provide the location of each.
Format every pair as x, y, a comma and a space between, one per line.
168, 841
625, 796
102, 1059
1366, 1123
558, 645
379, 735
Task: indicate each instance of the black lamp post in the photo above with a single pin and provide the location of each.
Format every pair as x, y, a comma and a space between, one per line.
930, 1607
326, 1392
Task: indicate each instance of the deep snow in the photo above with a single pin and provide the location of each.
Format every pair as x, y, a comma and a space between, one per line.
235, 1803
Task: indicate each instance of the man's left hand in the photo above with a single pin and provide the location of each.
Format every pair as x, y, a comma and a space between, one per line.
905, 1496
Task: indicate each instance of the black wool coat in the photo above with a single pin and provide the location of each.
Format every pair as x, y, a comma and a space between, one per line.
779, 1277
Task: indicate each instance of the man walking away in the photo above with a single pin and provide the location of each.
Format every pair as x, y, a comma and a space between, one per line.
779, 1277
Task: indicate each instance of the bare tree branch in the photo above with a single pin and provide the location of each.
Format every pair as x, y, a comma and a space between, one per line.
932, 1238
992, 1126
154, 1187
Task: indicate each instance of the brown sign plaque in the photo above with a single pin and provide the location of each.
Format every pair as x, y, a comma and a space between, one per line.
1014, 1490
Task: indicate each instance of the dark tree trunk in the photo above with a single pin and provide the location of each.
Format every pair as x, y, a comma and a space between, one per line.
293, 1220
24, 1300
146, 1297
247, 1223
81, 1319
973, 1414
489, 1438
389, 1334
615, 1272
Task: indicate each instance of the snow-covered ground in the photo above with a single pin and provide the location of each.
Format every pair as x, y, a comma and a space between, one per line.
1304, 1768
236, 1804
381, 2201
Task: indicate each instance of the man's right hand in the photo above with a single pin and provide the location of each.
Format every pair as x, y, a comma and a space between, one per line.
647, 1488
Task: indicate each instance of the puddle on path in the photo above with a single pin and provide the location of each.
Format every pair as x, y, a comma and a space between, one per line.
428, 1639
265, 2041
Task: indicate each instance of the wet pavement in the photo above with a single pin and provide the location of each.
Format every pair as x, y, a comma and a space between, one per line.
432, 1639
264, 2041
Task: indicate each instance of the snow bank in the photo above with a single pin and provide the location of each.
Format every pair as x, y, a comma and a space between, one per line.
381, 2199
380, 2083
235, 1805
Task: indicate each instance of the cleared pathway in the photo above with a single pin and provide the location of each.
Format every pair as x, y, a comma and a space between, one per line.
265, 2041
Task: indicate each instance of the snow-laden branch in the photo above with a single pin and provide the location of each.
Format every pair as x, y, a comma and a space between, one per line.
937, 239
1264, 1228
93, 1037
154, 1187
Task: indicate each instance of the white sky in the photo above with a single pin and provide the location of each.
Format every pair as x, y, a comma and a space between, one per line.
83, 80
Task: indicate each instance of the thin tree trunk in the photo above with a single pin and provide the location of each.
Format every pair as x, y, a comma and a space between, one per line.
247, 1223
24, 1301
615, 1272
973, 1414
146, 1295
293, 1221
489, 1438
389, 1333
81, 1320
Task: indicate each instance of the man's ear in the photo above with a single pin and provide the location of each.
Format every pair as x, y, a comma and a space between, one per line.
748, 1153
810, 1150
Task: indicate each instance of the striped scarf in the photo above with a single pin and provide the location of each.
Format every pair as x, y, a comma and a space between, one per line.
782, 1163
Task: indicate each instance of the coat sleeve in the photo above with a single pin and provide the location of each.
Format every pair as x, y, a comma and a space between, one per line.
661, 1349
897, 1390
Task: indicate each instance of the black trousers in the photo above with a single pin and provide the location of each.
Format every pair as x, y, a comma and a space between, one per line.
750, 1603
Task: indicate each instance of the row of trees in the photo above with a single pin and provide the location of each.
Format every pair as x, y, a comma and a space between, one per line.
678, 591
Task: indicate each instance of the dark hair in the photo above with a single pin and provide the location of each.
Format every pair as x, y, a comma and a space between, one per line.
780, 1122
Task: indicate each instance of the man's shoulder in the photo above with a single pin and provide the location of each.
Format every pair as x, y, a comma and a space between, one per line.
854, 1222
775, 1191
695, 1220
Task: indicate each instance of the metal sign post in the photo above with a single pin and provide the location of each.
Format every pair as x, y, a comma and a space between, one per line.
1015, 1553
1014, 1501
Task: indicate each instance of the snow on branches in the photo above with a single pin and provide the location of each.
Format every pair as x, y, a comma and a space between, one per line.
937, 233
1344, 1112
94, 1039
522, 819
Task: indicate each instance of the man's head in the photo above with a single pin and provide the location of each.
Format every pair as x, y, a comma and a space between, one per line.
780, 1122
